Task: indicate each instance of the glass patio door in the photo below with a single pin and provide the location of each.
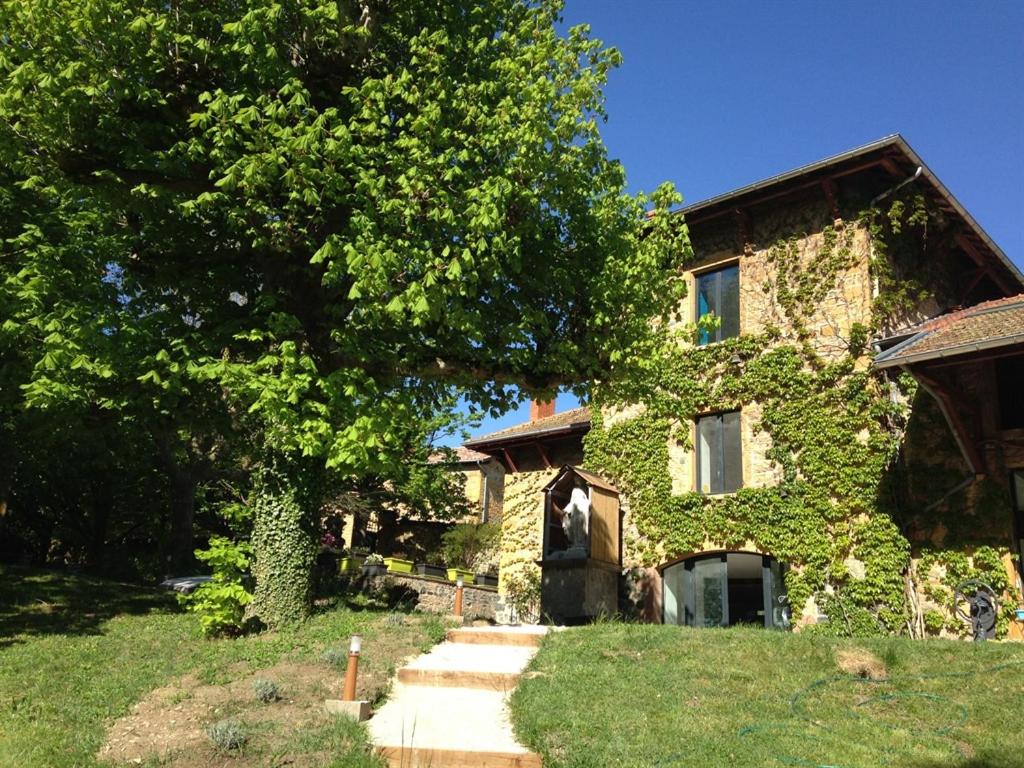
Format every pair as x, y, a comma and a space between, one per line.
710, 593
698, 592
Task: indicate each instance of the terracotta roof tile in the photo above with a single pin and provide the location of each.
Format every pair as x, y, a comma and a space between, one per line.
986, 325
463, 455
575, 417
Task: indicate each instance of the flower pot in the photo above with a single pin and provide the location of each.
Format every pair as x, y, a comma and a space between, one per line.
350, 564
398, 565
375, 569
486, 580
454, 573
436, 571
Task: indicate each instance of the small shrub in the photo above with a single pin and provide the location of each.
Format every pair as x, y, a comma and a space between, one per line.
467, 543
336, 657
227, 734
522, 593
220, 603
265, 690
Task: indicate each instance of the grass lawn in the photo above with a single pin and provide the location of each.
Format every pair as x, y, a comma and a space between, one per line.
635, 695
76, 654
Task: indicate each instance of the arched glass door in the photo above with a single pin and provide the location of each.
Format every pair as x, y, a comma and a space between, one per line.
724, 589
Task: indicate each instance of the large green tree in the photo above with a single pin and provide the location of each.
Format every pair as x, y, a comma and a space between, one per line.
404, 199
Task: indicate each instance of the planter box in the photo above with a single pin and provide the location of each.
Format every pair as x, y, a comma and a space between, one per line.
437, 571
486, 580
454, 573
350, 564
375, 570
398, 565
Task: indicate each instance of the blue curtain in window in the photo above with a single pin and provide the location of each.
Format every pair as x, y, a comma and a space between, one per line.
718, 293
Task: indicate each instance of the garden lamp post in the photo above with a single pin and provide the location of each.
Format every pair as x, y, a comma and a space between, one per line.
354, 647
458, 596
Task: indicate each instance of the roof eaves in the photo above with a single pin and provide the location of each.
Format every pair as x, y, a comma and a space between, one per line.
883, 359
527, 435
850, 154
893, 140
952, 351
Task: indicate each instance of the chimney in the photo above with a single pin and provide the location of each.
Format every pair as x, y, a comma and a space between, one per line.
541, 409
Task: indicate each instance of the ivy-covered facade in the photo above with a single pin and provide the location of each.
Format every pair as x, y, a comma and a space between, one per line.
763, 460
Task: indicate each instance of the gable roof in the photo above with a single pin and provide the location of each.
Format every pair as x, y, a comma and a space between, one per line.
896, 157
988, 325
590, 477
575, 420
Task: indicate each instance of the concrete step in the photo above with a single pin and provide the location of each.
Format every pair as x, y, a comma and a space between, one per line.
448, 708
522, 635
418, 720
454, 678
491, 667
448, 758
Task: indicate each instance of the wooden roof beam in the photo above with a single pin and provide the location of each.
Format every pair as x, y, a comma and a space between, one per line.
961, 432
510, 465
832, 195
543, 454
971, 250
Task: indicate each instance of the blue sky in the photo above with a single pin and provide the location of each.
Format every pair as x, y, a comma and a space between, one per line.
715, 95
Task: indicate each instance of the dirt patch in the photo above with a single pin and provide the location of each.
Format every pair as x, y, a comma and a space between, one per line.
169, 724
862, 663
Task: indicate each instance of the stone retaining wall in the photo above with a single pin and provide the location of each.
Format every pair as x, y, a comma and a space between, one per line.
434, 595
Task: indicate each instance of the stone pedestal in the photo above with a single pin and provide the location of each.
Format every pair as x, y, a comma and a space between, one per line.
358, 710
577, 590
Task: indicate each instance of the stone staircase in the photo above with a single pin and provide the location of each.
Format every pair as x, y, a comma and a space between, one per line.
448, 707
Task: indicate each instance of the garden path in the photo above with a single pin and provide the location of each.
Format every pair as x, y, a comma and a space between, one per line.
448, 707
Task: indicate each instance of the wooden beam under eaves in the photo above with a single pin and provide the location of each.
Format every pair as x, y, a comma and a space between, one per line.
509, 464
744, 230
832, 195
543, 455
971, 250
948, 404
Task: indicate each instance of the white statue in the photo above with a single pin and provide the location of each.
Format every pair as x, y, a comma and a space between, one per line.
576, 518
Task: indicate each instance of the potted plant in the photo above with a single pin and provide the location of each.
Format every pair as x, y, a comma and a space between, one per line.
350, 562
487, 579
374, 565
398, 565
437, 571
466, 544
455, 573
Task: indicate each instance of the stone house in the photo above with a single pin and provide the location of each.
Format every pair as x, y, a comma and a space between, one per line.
841, 446
483, 482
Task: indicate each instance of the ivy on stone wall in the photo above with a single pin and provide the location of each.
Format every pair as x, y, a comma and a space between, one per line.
835, 432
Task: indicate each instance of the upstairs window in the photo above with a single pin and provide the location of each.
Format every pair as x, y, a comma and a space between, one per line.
718, 293
719, 456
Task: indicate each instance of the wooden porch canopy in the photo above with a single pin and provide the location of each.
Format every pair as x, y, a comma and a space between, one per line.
605, 539
937, 351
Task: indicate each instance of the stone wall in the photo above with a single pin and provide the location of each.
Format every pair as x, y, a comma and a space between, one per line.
830, 325
432, 595
522, 523
488, 478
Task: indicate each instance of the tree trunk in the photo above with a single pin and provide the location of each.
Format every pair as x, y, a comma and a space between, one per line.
102, 502
180, 554
284, 552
